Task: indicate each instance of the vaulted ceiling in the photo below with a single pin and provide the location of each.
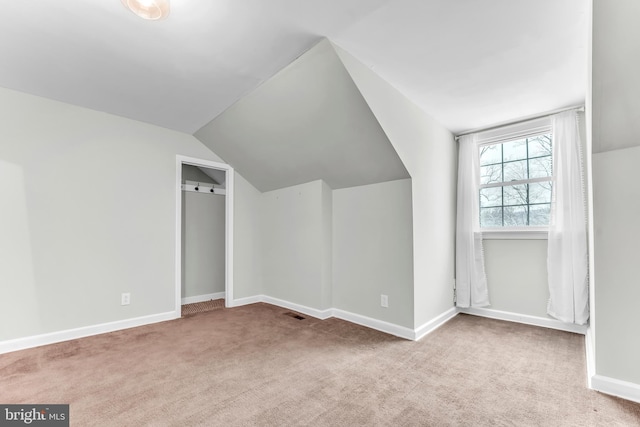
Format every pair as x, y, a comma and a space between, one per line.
259, 82
467, 63
308, 122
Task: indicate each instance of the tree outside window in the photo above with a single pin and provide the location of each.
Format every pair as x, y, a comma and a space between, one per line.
515, 182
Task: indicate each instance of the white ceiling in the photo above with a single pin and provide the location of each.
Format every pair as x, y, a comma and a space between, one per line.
470, 63
467, 63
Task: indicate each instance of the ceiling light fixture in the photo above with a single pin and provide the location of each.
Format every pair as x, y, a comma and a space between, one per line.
152, 10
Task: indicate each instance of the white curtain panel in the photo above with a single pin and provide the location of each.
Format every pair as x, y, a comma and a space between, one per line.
567, 257
471, 281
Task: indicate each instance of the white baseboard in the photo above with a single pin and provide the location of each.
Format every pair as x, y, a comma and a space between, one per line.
379, 325
243, 301
72, 334
614, 387
202, 298
524, 318
434, 324
313, 312
623, 389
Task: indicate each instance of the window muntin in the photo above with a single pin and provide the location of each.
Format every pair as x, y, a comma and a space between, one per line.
515, 182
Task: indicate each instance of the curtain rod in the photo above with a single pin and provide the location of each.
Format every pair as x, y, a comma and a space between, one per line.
521, 120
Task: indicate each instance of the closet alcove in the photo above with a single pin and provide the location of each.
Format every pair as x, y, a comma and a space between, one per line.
203, 234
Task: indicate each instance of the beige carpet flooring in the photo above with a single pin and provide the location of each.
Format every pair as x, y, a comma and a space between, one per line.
253, 365
201, 307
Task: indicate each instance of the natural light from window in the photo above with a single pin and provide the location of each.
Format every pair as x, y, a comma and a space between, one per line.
515, 183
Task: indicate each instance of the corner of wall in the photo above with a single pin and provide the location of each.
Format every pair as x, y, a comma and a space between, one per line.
421, 143
247, 239
327, 246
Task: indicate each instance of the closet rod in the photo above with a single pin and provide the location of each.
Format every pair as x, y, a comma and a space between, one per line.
207, 189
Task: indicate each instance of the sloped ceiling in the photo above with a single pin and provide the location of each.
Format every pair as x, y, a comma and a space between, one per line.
470, 63
467, 63
204, 175
616, 62
308, 122
177, 73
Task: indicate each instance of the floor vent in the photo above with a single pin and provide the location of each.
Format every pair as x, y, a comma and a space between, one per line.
294, 315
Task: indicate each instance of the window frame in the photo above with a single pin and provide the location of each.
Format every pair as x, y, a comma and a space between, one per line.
503, 135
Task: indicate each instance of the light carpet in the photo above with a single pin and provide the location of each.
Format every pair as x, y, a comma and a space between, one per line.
255, 366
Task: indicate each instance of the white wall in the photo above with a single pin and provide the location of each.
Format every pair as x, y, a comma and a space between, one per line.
616, 67
327, 246
373, 251
517, 269
617, 254
247, 249
203, 247
616, 192
517, 276
71, 245
19, 307
294, 244
429, 153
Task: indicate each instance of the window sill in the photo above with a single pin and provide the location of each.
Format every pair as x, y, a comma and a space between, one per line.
515, 234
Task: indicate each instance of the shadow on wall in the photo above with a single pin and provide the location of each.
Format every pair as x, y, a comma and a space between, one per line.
18, 297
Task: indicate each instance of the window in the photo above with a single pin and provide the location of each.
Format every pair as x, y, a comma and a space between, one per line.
515, 182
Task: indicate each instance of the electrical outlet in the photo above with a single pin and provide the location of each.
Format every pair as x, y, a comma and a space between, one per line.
384, 300
125, 299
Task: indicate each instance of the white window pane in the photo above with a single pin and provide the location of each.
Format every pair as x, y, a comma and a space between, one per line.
514, 171
540, 167
540, 192
516, 205
490, 154
515, 195
515, 150
539, 214
490, 197
515, 216
540, 146
490, 217
491, 174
